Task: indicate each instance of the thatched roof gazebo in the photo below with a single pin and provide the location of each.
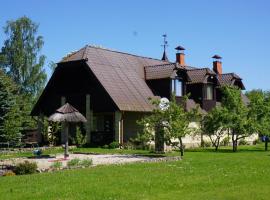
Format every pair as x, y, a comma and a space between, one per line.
67, 114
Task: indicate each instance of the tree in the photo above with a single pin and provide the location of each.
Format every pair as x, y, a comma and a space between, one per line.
10, 113
236, 114
169, 125
260, 112
20, 56
214, 125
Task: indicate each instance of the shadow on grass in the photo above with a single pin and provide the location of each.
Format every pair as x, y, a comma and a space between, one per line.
229, 149
40, 157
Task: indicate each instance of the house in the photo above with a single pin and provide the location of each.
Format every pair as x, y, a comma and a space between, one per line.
112, 89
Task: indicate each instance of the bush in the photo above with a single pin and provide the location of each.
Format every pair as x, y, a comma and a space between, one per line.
79, 139
105, 146
243, 142
128, 145
114, 145
25, 168
86, 162
206, 144
73, 162
225, 141
257, 141
9, 173
56, 165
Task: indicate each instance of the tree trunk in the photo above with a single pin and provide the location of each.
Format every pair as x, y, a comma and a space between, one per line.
234, 145
181, 147
159, 139
266, 145
66, 140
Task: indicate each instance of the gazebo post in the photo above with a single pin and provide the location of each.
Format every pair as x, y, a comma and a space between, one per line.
66, 125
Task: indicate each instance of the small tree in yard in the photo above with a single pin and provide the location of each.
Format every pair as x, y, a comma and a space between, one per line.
260, 112
179, 124
170, 125
236, 114
214, 125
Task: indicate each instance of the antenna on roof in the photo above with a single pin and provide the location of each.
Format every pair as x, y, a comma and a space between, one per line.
165, 44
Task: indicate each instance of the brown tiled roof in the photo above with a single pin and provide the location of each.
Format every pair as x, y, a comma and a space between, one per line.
121, 74
160, 71
228, 79
198, 75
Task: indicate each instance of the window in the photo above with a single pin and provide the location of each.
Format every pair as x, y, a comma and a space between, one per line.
209, 92
176, 86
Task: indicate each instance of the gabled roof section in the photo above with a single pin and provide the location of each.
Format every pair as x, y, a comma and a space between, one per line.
199, 75
160, 71
121, 74
230, 79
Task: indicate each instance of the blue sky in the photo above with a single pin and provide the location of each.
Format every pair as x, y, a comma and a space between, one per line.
238, 30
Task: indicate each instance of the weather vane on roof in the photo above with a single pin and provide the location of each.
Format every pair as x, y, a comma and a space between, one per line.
165, 44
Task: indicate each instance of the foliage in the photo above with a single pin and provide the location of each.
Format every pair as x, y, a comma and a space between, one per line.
10, 112
79, 138
25, 168
225, 141
56, 165
114, 145
236, 115
260, 111
170, 124
20, 55
86, 162
73, 162
214, 125
206, 143
9, 173
51, 135
243, 142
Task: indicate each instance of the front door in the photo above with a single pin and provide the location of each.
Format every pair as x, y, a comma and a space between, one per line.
103, 129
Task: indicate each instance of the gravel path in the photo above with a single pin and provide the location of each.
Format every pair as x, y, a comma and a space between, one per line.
45, 163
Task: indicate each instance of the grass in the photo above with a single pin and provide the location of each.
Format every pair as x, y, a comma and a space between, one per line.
200, 175
11, 154
54, 151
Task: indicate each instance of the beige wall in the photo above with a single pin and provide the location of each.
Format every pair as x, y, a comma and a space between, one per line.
131, 128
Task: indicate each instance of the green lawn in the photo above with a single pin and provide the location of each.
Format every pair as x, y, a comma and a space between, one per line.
201, 175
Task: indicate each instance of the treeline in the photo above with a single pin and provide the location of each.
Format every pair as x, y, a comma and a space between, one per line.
22, 77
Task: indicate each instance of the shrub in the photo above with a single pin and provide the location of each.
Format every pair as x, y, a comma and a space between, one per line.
257, 141
128, 145
114, 145
25, 168
73, 162
9, 173
56, 165
243, 142
86, 162
79, 139
225, 141
206, 144
105, 146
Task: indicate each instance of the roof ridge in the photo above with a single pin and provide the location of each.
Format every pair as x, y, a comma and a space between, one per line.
204, 68
160, 65
116, 51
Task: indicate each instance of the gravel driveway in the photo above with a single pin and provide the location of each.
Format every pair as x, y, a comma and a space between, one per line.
45, 163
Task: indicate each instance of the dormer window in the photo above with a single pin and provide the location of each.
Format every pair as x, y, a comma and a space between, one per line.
177, 87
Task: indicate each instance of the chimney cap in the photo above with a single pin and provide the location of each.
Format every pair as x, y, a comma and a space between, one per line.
217, 57
180, 48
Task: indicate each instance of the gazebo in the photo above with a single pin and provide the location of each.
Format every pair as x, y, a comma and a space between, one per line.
67, 114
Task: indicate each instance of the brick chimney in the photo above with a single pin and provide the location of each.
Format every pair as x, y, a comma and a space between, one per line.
217, 64
180, 56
